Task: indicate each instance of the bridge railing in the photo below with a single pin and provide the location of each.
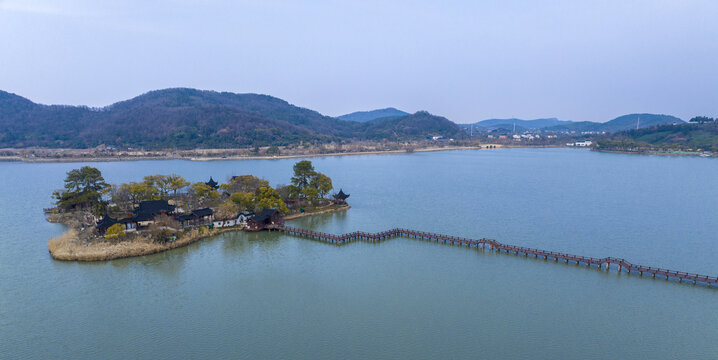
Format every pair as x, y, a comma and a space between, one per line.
500, 246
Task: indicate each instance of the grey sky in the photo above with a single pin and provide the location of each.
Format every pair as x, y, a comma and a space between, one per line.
466, 60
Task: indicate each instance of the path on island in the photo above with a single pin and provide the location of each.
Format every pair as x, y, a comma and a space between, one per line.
493, 245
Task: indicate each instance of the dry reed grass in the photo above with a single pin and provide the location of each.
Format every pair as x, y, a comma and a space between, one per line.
68, 247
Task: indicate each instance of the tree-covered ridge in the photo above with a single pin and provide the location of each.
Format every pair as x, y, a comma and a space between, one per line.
700, 134
621, 123
186, 119
364, 116
414, 126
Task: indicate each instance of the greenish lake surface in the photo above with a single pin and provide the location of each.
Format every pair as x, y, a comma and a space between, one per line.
269, 296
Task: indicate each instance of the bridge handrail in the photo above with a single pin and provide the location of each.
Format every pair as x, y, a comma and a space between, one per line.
496, 244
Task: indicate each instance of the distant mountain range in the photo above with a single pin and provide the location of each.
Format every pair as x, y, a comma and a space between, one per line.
364, 116
490, 124
188, 118
184, 118
621, 123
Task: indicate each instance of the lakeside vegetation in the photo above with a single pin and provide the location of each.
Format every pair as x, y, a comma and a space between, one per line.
103, 153
699, 135
163, 212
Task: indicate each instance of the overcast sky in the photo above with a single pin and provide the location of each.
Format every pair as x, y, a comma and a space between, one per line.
466, 60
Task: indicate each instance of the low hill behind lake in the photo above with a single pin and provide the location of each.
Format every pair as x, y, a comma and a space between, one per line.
189, 118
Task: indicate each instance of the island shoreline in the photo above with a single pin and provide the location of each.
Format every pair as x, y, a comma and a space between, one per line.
67, 247
658, 153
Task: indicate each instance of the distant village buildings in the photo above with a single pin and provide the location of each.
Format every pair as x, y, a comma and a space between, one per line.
584, 143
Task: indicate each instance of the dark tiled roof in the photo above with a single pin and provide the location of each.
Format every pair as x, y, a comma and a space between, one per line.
212, 183
264, 215
203, 212
145, 216
154, 207
341, 195
186, 217
106, 222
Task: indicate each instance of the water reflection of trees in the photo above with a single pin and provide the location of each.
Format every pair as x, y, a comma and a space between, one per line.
242, 242
319, 221
170, 263
167, 263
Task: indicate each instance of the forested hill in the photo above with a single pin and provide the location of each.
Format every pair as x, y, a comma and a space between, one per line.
525, 124
677, 137
363, 116
621, 123
189, 118
416, 125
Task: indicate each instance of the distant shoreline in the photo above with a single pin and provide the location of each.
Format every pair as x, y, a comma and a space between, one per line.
168, 156
660, 153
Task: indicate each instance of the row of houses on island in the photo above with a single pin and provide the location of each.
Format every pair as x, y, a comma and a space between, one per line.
147, 213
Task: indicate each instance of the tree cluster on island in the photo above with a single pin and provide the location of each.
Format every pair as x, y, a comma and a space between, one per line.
86, 191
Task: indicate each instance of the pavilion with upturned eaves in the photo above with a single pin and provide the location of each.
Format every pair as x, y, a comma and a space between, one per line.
213, 184
340, 197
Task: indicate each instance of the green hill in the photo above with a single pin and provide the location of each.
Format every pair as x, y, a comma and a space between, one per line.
621, 123
185, 118
679, 137
523, 124
415, 126
364, 116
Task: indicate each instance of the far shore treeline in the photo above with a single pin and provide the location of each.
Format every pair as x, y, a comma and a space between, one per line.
85, 190
700, 134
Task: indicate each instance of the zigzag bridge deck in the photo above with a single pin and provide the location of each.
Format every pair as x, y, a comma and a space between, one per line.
493, 245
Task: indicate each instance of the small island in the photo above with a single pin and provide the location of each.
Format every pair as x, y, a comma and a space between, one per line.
164, 212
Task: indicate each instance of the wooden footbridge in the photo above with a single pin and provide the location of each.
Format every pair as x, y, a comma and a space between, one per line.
493, 245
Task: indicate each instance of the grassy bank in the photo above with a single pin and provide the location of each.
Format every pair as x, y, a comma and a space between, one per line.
324, 210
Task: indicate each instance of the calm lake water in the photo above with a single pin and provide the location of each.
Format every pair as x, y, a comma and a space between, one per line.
260, 296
